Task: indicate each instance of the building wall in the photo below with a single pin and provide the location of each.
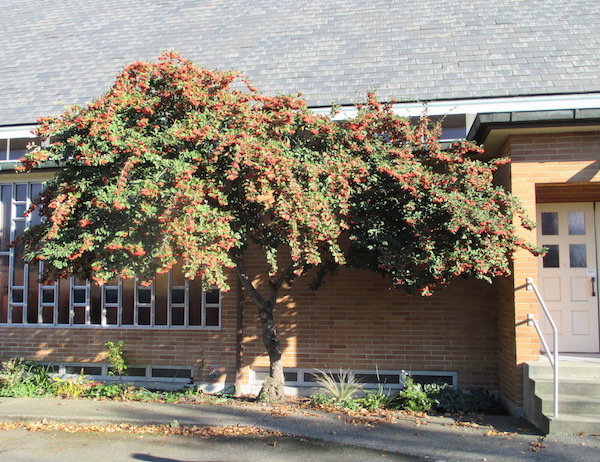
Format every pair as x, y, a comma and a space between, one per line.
143, 346
538, 159
354, 321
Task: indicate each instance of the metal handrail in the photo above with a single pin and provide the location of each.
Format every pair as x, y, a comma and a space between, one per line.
554, 358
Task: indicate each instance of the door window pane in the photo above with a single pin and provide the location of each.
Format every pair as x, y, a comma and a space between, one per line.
549, 223
576, 223
551, 259
577, 256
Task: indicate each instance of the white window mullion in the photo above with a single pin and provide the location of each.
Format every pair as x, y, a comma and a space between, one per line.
136, 301
170, 298
203, 308
120, 301
71, 300
87, 302
186, 309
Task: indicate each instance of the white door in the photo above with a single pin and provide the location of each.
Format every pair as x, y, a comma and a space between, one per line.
568, 273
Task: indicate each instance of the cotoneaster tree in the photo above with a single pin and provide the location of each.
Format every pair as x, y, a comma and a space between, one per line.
188, 167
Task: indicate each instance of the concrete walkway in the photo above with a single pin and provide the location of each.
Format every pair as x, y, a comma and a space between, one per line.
437, 438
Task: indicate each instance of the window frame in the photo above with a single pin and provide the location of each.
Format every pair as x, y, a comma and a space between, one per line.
13, 304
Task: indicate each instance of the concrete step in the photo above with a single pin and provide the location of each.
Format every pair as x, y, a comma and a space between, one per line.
571, 404
573, 424
566, 370
581, 387
579, 396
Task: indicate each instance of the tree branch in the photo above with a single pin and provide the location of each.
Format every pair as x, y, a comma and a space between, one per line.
285, 275
256, 297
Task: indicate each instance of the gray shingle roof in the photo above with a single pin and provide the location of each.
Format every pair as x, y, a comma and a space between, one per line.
331, 50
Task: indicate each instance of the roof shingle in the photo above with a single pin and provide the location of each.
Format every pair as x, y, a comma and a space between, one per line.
69, 51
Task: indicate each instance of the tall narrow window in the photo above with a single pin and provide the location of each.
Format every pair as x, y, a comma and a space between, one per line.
112, 302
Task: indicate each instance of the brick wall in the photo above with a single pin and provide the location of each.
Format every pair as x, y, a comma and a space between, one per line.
154, 347
355, 321
541, 159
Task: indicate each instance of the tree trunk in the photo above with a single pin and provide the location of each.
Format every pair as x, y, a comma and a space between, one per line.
272, 390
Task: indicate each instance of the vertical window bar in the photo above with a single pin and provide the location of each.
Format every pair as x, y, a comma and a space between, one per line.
203, 308
71, 300
103, 307
120, 300
153, 304
186, 309
136, 301
169, 298
87, 302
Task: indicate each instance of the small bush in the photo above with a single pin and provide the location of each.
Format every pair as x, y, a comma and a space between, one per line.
102, 390
321, 399
116, 358
460, 402
21, 378
73, 387
413, 397
375, 399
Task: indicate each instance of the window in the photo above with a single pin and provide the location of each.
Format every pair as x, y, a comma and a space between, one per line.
171, 301
171, 374
14, 142
370, 379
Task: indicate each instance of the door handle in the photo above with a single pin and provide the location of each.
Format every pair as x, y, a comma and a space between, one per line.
593, 287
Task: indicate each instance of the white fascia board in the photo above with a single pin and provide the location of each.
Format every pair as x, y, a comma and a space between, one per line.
478, 106
22, 131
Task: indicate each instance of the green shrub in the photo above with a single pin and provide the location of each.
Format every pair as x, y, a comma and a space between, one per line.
413, 397
453, 401
375, 399
72, 387
100, 390
321, 399
22, 378
116, 358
